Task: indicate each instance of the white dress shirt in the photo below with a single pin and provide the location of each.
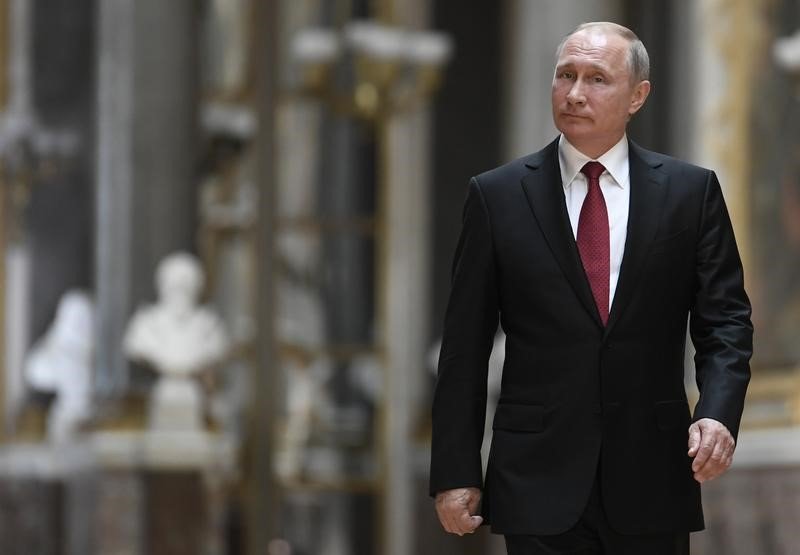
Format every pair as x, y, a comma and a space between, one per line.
616, 187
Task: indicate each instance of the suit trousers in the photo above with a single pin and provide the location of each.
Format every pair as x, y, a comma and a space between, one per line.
593, 535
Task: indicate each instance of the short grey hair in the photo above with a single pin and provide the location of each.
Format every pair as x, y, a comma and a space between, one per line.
638, 60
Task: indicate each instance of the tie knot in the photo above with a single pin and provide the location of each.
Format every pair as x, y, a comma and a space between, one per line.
593, 170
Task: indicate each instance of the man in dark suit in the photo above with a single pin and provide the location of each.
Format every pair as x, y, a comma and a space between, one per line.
593, 254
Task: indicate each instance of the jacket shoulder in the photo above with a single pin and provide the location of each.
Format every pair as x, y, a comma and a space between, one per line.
670, 164
510, 173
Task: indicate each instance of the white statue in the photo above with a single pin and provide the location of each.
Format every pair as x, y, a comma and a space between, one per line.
786, 51
179, 339
306, 398
61, 363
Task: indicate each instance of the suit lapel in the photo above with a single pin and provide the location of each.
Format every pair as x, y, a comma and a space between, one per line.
648, 189
545, 195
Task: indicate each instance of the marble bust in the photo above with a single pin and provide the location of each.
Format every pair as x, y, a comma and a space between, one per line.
178, 338
61, 363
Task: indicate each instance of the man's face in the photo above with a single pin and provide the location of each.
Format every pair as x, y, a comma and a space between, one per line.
593, 94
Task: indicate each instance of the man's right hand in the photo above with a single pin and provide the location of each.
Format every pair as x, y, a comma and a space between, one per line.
456, 509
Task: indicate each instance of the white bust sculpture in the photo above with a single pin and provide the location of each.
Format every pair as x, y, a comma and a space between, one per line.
178, 338
61, 363
786, 51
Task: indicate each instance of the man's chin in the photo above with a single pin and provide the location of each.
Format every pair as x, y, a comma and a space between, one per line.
574, 127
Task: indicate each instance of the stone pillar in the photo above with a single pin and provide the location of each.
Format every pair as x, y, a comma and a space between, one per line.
534, 31
59, 216
44, 134
262, 504
146, 133
726, 67
684, 69
55, 237
405, 158
407, 289
16, 254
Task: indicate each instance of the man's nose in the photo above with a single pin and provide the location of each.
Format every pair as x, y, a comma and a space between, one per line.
575, 94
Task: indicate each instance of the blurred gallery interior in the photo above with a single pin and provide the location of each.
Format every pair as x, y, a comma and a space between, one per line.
226, 231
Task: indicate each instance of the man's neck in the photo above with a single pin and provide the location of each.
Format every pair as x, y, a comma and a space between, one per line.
594, 149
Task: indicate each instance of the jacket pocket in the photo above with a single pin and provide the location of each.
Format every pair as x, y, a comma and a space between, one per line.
671, 415
519, 418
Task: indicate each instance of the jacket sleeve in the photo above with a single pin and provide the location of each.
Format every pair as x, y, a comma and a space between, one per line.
720, 316
459, 402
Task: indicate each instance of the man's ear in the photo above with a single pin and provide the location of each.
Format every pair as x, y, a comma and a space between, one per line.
640, 93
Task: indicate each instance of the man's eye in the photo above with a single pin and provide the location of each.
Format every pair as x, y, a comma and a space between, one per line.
598, 79
567, 75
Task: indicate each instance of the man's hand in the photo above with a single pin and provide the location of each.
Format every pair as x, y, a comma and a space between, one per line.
712, 446
456, 509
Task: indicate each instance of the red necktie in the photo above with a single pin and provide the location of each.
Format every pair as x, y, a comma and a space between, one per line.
593, 239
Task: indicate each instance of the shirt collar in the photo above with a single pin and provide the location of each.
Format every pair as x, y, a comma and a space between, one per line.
615, 160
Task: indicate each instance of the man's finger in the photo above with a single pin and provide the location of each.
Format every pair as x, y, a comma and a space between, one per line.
472, 505
694, 439
444, 517
713, 466
463, 520
707, 445
451, 523
468, 524
720, 459
459, 523
720, 449
454, 511
446, 509
710, 471
728, 457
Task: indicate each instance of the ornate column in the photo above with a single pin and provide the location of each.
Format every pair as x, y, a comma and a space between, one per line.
146, 159
406, 158
395, 68
723, 75
746, 129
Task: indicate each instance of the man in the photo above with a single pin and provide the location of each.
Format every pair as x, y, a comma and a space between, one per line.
592, 254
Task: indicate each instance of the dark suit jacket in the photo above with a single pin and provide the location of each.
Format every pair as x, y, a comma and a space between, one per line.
577, 396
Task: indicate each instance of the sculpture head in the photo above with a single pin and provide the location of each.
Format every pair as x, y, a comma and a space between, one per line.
74, 322
179, 280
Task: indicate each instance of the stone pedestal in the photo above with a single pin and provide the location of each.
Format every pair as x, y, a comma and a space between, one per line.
43, 500
117, 493
176, 405
171, 487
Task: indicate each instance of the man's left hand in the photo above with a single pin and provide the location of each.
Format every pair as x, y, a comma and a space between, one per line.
712, 446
